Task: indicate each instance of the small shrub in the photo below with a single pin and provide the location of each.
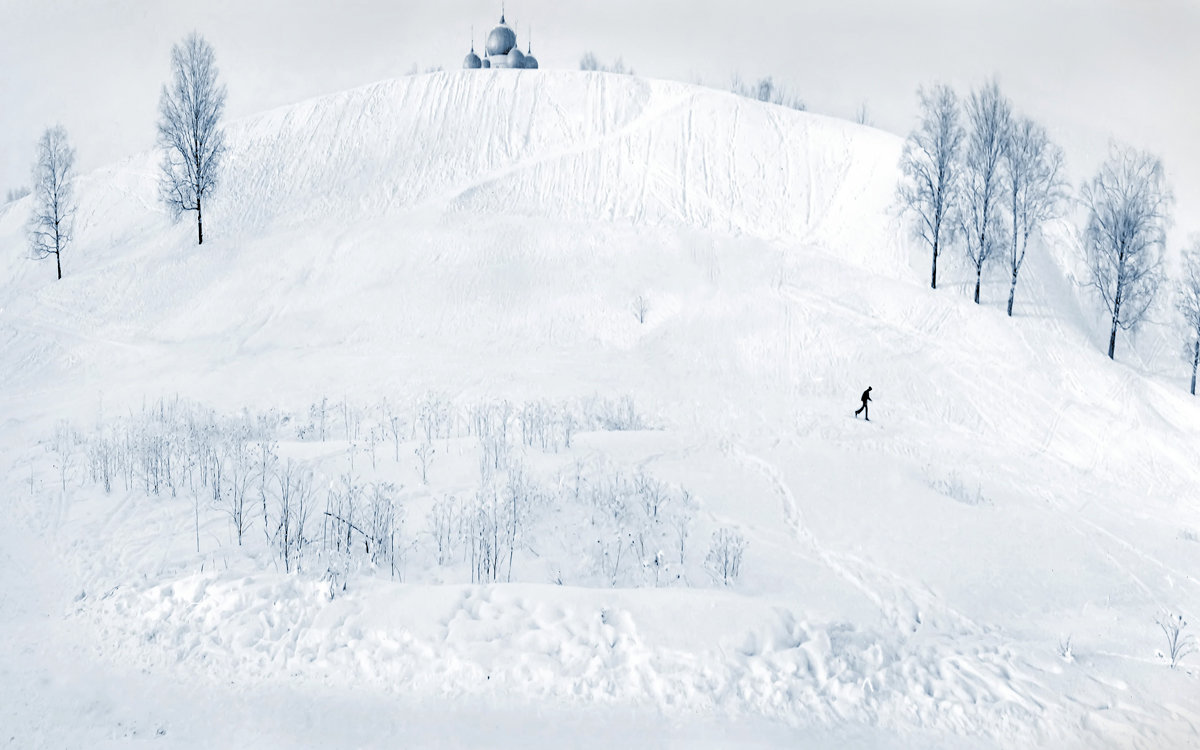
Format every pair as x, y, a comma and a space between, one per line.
1179, 644
724, 559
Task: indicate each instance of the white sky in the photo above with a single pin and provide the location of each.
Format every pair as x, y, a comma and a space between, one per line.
1089, 69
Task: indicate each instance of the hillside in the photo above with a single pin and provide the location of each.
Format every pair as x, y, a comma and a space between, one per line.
454, 243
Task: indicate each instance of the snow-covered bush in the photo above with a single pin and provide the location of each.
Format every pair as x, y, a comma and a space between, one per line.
957, 488
446, 526
1066, 650
584, 523
724, 559
294, 507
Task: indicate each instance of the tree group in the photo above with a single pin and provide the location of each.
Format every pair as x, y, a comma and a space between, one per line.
189, 133
982, 178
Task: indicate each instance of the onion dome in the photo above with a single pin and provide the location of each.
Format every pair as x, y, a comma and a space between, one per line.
501, 40
487, 63
531, 62
472, 61
516, 58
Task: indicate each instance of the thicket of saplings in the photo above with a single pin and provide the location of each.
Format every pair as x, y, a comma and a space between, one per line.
368, 504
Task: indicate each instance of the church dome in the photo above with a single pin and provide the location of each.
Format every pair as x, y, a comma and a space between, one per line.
487, 63
472, 61
531, 62
501, 40
516, 58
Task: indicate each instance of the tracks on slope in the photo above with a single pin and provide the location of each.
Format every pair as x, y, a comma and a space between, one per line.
904, 605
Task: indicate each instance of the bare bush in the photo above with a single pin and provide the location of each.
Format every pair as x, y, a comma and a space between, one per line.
724, 559
589, 61
445, 522
1066, 651
766, 90
295, 505
424, 453
957, 488
641, 306
1179, 644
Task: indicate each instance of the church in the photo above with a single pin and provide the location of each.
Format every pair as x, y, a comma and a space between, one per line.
501, 51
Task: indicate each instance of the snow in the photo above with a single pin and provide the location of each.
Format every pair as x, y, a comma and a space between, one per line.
482, 237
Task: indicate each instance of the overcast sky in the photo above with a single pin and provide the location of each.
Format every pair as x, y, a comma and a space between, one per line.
1091, 70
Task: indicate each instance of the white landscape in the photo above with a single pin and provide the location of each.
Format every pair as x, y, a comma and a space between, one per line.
514, 408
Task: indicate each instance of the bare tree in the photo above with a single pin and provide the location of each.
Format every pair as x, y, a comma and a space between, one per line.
190, 109
1128, 204
931, 168
1033, 167
989, 115
1188, 304
52, 222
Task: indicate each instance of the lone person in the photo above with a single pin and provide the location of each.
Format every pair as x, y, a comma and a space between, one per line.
865, 398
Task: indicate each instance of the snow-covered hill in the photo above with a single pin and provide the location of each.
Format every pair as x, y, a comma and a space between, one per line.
471, 239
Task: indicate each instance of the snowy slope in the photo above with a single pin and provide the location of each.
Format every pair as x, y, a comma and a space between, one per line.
484, 237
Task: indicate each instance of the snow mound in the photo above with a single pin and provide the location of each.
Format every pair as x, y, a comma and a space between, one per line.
575, 146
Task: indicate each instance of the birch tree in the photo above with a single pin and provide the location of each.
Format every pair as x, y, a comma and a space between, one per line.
190, 110
931, 169
1188, 304
1128, 208
1033, 169
989, 117
52, 222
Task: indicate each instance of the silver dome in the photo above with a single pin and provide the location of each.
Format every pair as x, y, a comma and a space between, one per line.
531, 62
501, 40
516, 59
472, 61
487, 63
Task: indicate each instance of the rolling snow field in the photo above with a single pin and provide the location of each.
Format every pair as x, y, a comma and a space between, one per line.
558, 371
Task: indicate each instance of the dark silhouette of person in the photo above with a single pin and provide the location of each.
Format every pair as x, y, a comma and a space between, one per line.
865, 398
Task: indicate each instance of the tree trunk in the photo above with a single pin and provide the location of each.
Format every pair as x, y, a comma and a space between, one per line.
978, 277
58, 261
199, 223
1195, 362
1012, 293
933, 279
1112, 337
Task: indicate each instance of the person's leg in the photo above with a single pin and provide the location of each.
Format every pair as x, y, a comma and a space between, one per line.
867, 412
